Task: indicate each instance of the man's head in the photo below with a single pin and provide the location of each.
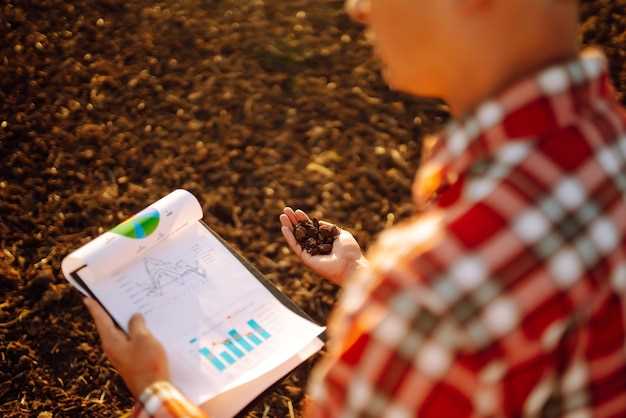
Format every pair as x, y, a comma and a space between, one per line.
444, 47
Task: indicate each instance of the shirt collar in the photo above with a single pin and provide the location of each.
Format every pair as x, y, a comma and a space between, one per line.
553, 98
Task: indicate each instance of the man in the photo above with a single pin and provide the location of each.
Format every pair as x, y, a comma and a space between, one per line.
506, 297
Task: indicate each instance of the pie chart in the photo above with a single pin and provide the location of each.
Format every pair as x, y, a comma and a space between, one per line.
139, 226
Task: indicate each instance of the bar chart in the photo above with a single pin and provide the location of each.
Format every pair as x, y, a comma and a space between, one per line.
227, 352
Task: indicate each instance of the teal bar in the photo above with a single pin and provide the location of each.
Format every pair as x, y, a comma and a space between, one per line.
253, 324
227, 357
254, 338
233, 348
214, 360
240, 340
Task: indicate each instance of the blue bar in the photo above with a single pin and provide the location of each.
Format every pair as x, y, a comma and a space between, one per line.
227, 357
233, 348
214, 360
233, 333
253, 324
254, 338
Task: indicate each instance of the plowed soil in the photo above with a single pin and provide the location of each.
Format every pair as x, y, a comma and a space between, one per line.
107, 105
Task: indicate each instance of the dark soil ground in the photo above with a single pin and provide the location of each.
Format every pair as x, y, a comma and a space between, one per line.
107, 105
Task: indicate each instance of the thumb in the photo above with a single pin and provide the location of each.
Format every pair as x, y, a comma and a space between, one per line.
137, 326
109, 333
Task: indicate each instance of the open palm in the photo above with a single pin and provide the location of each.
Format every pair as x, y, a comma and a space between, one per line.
335, 266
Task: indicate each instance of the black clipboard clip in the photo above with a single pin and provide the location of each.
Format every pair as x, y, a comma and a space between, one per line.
87, 290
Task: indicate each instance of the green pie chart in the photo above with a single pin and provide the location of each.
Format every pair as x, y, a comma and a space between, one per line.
140, 226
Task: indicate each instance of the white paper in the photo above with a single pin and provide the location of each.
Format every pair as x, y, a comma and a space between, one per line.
194, 293
226, 405
112, 251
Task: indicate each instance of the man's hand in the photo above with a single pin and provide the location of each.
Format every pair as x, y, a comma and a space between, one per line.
139, 357
336, 266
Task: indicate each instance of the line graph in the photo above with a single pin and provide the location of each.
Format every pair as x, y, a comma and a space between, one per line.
163, 274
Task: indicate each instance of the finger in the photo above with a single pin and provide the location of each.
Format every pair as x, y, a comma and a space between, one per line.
137, 326
284, 220
291, 241
301, 216
109, 333
291, 214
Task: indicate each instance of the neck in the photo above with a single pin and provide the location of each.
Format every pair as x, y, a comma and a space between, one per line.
519, 41
492, 78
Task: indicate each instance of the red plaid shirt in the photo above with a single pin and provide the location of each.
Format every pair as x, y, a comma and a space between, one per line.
506, 296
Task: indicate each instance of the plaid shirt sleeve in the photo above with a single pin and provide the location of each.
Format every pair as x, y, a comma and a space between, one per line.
401, 349
162, 400
507, 296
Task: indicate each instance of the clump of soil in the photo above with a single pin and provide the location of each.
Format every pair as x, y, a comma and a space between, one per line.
315, 238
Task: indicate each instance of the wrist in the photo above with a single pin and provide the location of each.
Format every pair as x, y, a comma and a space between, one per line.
352, 268
140, 386
359, 264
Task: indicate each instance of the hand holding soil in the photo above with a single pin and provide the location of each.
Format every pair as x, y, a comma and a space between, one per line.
331, 252
315, 238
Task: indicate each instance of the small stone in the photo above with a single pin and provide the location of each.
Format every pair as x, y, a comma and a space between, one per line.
299, 232
63, 113
100, 22
328, 231
4, 124
195, 125
88, 154
74, 105
325, 248
40, 283
316, 132
193, 96
90, 130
